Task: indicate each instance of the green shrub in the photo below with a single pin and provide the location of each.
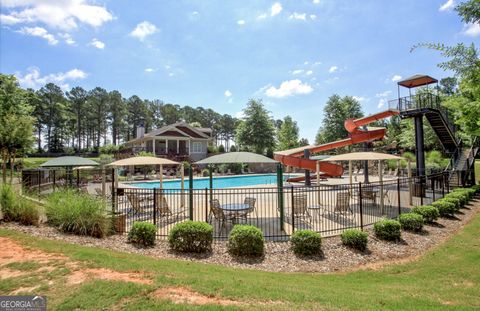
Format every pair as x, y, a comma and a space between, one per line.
355, 238
78, 213
456, 201
411, 221
245, 240
458, 195
142, 233
468, 192
28, 212
221, 149
428, 212
8, 203
387, 229
191, 236
445, 208
476, 188
306, 242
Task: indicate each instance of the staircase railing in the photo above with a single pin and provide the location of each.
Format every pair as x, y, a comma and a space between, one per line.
471, 159
424, 101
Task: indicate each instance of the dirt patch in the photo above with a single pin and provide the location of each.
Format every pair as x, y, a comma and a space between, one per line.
6, 273
12, 252
83, 275
187, 296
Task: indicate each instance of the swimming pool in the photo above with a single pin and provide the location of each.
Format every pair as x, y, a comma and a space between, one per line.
218, 182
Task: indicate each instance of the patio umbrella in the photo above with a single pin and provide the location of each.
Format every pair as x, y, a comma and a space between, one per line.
236, 157
362, 156
69, 162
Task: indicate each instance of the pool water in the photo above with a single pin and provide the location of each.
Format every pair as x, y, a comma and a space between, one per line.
218, 182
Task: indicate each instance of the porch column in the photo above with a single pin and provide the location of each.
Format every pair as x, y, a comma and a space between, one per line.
166, 146
154, 144
178, 146
189, 146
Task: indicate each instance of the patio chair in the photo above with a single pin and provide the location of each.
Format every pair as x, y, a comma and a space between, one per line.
300, 209
217, 212
136, 203
251, 203
343, 203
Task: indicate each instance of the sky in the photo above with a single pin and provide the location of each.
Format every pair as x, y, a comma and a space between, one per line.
219, 54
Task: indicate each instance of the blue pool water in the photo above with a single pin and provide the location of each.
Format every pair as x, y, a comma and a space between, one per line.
218, 182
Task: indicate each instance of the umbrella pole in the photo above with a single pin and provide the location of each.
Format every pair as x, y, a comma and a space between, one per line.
380, 178
182, 175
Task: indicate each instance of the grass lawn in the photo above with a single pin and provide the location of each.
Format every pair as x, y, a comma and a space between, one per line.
447, 277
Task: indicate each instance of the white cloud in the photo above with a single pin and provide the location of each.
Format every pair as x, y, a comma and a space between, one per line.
333, 69
359, 98
313, 16
276, 9
383, 94
241, 22
97, 43
227, 93
194, 13
381, 103
297, 71
471, 30
150, 69
64, 14
171, 74
262, 16
316, 1
299, 16
447, 5
143, 30
33, 79
317, 63
306, 62
67, 38
396, 78
310, 72
39, 32
289, 88
239, 115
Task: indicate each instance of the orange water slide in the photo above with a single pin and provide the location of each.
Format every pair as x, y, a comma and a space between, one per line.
293, 157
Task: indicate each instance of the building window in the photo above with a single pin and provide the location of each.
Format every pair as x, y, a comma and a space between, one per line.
197, 147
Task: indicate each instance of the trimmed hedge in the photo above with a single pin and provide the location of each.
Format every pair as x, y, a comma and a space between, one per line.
246, 240
388, 229
428, 212
191, 236
459, 195
445, 208
142, 233
469, 192
456, 201
355, 238
411, 221
306, 242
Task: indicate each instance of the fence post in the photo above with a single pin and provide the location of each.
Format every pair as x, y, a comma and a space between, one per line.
281, 204
206, 204
361, 204
398, 196
433, 188
293, 210
155, 206
53, 185
39, 183
190, 193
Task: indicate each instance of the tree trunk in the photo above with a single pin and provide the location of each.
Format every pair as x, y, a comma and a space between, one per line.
39, 139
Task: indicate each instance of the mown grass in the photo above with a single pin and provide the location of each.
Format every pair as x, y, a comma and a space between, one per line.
445, 278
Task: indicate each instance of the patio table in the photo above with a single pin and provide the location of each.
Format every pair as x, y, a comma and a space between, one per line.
235, 209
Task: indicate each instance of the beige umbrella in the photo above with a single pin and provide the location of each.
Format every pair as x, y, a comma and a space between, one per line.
366, 156
143, 161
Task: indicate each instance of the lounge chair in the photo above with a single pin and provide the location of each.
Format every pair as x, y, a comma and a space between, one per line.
137, 204
343, 203
162, 208
300, 209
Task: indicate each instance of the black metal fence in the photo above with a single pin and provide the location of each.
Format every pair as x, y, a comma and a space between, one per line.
327, 209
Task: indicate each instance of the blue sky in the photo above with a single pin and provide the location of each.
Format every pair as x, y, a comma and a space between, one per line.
291, 54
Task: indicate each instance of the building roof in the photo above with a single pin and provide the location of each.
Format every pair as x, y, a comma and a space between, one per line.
179, 129
417, 80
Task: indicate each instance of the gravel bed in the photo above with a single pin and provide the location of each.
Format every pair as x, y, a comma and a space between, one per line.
278, 256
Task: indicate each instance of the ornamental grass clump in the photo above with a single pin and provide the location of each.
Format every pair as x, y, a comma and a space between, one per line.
77, 213
388, 229
355, 238
411, 222
191, 236
428, 212
142, 234
8, 203
246, 240
306, 242
445, 208
28, 212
